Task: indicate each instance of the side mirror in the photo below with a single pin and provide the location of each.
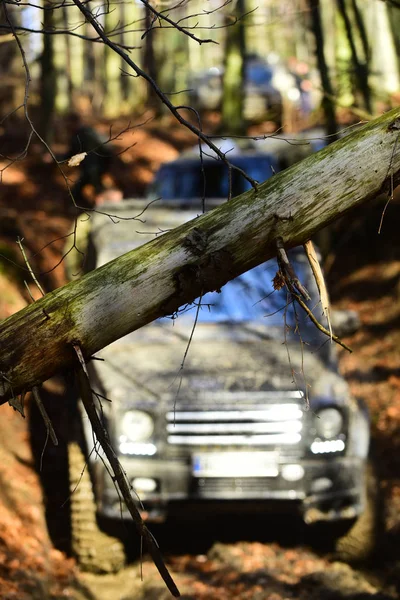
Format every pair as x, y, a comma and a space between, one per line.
345, 322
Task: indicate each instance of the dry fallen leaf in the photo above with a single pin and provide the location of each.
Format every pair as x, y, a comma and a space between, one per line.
76, 160
278, 281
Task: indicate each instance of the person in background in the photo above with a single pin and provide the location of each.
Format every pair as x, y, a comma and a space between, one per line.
93, 168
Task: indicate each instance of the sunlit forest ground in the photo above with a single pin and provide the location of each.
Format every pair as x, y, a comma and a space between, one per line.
363, 273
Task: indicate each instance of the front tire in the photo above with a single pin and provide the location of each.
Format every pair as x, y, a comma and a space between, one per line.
359, 543
94, 550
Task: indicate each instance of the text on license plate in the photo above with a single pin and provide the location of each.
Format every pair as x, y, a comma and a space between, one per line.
235, 464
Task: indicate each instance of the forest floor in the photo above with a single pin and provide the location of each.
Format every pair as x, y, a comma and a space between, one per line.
262, 559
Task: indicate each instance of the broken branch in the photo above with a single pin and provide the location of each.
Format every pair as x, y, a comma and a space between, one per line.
119, 474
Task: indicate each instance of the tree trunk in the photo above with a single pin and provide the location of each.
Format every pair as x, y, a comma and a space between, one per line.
68, 59
77, 52
112, 67
150, 63
394, 19
343, 70
199, 256
359, 19
89, 61
12, 87
361, 68
47, 79
384, 73
233, 80
327, 102
62, 97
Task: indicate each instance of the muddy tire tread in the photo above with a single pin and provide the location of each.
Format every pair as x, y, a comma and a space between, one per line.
94, 550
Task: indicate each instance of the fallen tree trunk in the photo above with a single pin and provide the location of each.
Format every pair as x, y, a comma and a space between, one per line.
199, 256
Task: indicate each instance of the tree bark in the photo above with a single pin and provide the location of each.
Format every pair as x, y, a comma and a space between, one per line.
68, 60
327, 102
394, 19
233, 79
112, 67
359, 19
361, 68
47, 79
150, 62
199, 256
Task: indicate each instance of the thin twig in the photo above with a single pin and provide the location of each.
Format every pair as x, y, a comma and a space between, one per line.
174, 24
358, 112
391, 191
196, 318
45, 416
19, 242
29, 291
21, 29
18, 403
317, 324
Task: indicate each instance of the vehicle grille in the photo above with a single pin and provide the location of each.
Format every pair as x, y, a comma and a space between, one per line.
242, 487
238, 419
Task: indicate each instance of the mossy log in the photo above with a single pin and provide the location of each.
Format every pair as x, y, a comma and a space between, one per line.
197, 257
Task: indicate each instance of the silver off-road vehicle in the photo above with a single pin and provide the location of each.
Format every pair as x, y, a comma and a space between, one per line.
253, 413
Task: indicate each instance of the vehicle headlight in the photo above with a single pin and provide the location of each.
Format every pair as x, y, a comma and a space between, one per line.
136, 426
328, 423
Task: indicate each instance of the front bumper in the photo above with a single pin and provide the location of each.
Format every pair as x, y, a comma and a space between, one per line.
329, 489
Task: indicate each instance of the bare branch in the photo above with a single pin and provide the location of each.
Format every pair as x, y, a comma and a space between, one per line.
48, 6
317, 324
163, 97
45, 416
71, 32
119, 474
19, 242
174, 24
288, 271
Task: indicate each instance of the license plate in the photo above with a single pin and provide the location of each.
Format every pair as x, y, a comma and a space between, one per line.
235, 464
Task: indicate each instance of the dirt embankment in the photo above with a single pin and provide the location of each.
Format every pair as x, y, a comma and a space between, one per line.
30, 567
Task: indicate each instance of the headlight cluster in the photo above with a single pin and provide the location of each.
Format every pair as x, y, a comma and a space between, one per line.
136, 426
328, 423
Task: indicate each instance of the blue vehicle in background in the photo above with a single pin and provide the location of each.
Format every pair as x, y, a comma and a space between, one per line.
188, 178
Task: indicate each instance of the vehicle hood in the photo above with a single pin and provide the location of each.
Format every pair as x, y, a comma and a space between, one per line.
156, 361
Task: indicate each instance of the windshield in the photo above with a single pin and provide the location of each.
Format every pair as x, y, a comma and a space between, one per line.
251, 298
184, 179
